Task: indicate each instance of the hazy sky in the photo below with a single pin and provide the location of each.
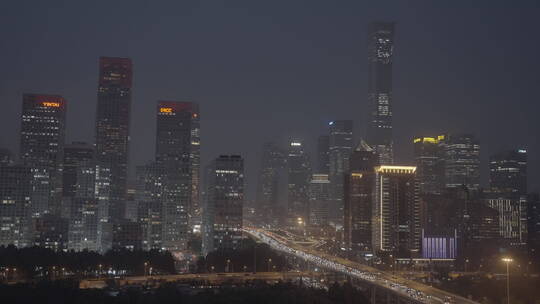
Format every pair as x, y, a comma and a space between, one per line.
267, 70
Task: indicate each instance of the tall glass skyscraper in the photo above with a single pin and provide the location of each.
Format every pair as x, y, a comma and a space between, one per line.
461, 161
222, 225
112, 129
178, 153
380, 57
340, 147
42, 146
299, 177
508, 172
272, 176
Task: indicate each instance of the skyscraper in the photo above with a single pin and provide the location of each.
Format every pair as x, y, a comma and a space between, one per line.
323, 154
396, 211
340, 147
380, 58
78, 197
319, 199
299, 177
112, 129
150, 181
508, 172
461, 161
222, 224
358, 201
178, 153
15, 192
271, 177
42, 147
429, 157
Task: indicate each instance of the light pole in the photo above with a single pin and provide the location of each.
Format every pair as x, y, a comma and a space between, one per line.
269, 263
507, 261
145, 265
228, 265
99, 274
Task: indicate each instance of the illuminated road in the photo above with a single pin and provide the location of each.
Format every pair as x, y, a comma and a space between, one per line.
213, 278
409, 289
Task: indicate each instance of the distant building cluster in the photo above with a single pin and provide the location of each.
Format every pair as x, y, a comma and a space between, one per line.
78, 196
355, 193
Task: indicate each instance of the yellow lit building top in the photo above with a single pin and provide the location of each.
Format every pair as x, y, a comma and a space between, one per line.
432, 140
396, 169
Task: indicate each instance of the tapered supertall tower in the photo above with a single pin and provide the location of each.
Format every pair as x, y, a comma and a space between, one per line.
380, 58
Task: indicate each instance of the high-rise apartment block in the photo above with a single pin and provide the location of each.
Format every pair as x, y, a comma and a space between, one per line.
396, 211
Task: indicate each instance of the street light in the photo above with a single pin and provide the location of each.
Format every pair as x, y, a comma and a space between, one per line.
269, 262
145, 265
507, 261
99, 274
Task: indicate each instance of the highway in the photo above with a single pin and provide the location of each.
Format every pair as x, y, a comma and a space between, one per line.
407, 288
214, 278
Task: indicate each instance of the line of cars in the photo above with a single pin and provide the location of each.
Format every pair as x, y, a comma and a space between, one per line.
280, 243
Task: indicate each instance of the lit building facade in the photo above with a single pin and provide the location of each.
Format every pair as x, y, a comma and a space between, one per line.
112, 132
222, 224
429, 157
340, 147
178, 153
396, 211
380, 59
512, 218
15, 195
461, 161
359, 194
42, 146
299, 175
150, 181
508, 173
439, 246
319, 188
79, 201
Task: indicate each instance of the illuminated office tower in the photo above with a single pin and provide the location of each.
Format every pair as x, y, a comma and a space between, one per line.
222, 224
359, 189
319, 199
508, 173
150, 180
340, 147
461, 161
512, 218
15, 192
323, 154
380, 57
428, 154
112, 130
79, 199
271, 177
42, 146
178, 153
299, 174
396, 211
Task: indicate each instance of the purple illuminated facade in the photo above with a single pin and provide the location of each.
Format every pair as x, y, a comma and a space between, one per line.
439, 247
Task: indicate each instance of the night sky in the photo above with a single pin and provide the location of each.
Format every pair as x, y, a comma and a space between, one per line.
268, 70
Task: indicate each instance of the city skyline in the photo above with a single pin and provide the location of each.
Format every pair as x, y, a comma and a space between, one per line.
416, 107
